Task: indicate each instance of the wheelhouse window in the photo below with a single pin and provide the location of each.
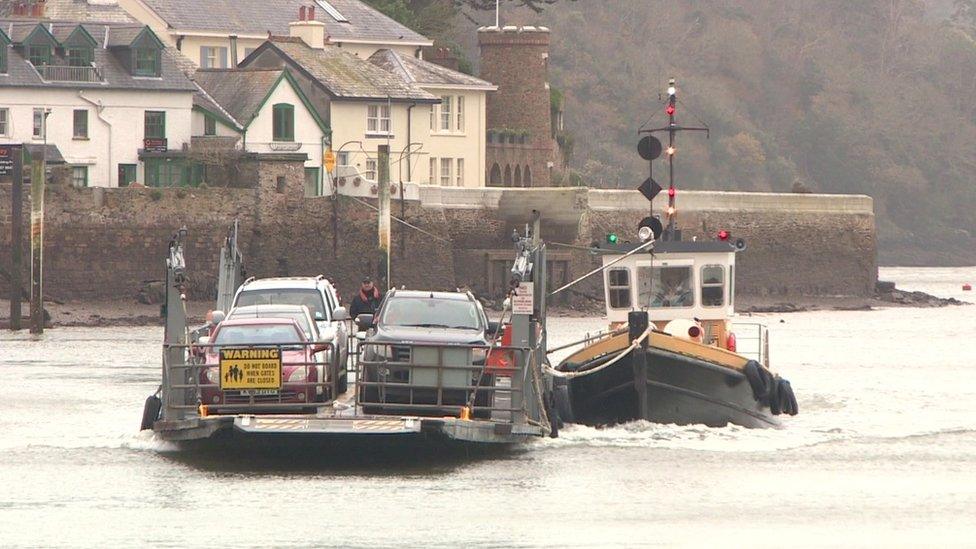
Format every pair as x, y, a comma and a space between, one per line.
665, 286
146, 62
378, 119
618, 288
713, 286
39, 54
283, 119
155, 124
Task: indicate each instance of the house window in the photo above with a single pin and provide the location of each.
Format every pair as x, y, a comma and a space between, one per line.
155, 124
79, 176
378, 119
460, 113
342, 159
40, 123
4, 122
618, 288
447, 114
446, 165
80, 124
283, 122
209, 125
663, 287
370, 169
433, 171
713, 286
460, 172
39, 54
79, 57
433, 118
213, 57
146, 62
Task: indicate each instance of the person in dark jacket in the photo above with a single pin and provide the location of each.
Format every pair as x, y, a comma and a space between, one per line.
367, 300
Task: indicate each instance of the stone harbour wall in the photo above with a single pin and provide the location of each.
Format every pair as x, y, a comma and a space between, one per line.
107, 243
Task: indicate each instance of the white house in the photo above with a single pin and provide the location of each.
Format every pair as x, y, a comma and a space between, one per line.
219, 33
266, 111
108, 96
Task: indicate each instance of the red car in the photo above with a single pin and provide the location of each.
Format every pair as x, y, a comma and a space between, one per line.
301, 368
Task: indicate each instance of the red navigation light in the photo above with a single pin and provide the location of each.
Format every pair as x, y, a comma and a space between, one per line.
672, 191
723, 235
669, 110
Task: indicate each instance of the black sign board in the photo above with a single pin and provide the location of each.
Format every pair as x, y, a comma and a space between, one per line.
154, 144
649, 188
8, 154
649, 147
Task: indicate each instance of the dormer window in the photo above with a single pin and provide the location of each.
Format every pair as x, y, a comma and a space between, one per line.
79, 56
39, 54
145, 62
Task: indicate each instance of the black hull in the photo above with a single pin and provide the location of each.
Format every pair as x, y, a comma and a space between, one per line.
670, 388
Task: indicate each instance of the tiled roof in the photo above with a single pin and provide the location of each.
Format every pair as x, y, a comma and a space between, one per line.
263, 16
346, 76
417, 71
74, 10
111, 63
238, 92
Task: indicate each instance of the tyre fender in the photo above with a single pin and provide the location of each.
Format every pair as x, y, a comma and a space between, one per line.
150, 412
564, 407
757, 380
774, 397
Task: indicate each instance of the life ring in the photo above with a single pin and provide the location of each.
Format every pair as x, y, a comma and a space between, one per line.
150, 412
757, 380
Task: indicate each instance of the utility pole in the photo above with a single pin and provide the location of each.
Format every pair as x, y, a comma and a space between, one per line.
16, 157
383, 188
37, 242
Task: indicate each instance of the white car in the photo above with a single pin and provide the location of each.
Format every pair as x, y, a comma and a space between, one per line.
315, 293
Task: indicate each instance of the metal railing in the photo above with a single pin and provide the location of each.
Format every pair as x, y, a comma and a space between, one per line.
423, 379
752, 341
67, 73
196, 380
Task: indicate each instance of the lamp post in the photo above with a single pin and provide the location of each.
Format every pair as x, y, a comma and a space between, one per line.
38, 169
403, 197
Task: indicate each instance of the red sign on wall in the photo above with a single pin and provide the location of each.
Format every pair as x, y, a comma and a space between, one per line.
154, 144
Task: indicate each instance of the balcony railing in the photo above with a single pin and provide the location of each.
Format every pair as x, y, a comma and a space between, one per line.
65, 73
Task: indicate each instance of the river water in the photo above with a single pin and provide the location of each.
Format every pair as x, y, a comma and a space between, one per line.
883, 452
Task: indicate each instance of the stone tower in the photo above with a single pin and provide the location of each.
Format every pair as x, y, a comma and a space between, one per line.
521, 149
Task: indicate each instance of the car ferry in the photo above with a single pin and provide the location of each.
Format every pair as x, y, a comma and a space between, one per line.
673, 353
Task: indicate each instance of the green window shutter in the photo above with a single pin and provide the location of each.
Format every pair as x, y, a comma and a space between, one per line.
283, 121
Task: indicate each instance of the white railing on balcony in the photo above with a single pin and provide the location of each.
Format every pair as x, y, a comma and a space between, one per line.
65, 73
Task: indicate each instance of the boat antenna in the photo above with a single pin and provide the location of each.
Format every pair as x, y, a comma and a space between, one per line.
672, 130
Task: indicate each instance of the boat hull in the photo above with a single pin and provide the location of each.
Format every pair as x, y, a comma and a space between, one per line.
666, 387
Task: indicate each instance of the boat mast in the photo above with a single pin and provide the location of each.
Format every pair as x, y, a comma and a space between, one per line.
672, 129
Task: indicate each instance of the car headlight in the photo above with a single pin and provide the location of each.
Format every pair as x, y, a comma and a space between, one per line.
298, 375
213, 375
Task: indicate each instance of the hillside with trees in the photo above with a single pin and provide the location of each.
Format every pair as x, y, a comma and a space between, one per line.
836, 96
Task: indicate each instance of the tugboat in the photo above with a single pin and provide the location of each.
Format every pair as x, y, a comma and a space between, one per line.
673, 353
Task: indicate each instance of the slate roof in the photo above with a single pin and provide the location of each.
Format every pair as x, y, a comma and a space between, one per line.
417, 71
238, 92
206, 101
346, 76
73, 10
262, 16
109, 62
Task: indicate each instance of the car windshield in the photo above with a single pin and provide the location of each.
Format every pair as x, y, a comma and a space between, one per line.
257, 334
310, 298
298, 315
431, 313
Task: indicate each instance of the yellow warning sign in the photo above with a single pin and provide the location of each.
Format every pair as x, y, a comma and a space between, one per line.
250, 369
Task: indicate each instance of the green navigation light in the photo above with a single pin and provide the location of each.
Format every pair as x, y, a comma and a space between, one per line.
611, 238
